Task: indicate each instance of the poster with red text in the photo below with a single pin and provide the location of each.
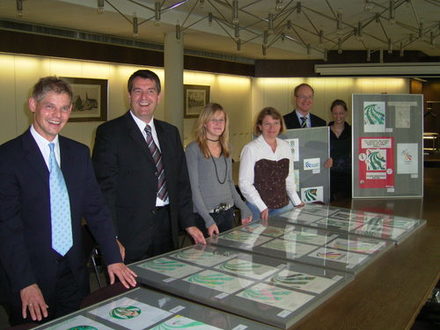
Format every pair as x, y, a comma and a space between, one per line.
376, 162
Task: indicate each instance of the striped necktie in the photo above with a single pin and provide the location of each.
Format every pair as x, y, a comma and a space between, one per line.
162, 192
303, 122
61, 221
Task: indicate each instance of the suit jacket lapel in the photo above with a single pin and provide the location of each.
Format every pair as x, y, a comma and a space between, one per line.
137, 137
34, 157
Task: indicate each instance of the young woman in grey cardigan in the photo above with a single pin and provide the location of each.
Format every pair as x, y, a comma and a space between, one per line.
210, 173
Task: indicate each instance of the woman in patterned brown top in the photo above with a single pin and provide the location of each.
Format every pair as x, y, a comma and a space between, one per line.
266, 169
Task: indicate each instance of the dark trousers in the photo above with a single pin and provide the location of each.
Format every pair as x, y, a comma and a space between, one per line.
66, 297
161, 237
223, 219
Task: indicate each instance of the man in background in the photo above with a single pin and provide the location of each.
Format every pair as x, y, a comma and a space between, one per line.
301, 117
140, 164
47, 185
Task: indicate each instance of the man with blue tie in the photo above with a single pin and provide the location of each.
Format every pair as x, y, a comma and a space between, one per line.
301, 117
47, 185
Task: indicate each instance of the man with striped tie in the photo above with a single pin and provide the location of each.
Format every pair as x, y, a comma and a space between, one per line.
301, 117
47, 186
140, 164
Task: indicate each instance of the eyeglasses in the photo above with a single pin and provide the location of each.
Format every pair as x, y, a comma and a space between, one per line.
220, 121
303, 97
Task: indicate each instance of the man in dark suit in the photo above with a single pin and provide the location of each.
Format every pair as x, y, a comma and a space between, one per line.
301, 117
140, 164
41, 282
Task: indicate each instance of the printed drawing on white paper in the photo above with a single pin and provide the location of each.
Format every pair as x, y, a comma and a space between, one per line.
374, 116
294, 146
403, 113
407, 158
312, 194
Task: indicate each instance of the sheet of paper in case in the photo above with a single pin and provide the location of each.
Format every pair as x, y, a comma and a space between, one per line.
336, 259
219, 281
130, 313
298, 217
240, 239
381, 231
203, 257
181, 322
309, 236
170, 267
79, 322
245, 266
393, 221
358, 244
258, 228
303, 281
287, 300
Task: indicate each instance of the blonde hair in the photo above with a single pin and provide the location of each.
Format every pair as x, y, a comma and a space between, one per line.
200, 129
268, 111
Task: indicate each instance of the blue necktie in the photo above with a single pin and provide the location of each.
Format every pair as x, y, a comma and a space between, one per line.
59, 207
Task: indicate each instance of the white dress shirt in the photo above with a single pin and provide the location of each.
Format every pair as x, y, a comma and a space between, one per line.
253, 152
141, 124
43, 145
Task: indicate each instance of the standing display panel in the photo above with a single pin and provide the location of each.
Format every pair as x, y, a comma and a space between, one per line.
310, 149
387, 145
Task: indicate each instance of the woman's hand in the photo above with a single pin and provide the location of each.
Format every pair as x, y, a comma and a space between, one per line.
213, 230
246, 221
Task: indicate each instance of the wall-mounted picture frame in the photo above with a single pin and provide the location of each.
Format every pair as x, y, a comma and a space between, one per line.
195, 99
89, 99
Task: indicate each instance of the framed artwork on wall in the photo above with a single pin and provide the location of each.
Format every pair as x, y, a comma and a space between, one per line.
195, 99
89, 99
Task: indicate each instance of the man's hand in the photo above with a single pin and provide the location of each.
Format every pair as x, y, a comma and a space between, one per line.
213, 230
328, 163
196, 235
121, 249
32, 299
246, 221
124, 274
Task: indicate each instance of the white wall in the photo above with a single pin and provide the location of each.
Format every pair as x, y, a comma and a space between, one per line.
243, 97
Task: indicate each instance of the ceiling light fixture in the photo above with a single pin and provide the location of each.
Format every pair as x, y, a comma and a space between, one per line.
368, 5
368, 55
202, 4
19, 8
100, 6
298, 8
278, 5
339, 46
238, 42
235, 19
392, 18
237, 31
390, 46
321, 36
210, 18
401, 50
135, 26
178, 32
263, 49
157, 11
270, 23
